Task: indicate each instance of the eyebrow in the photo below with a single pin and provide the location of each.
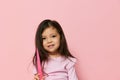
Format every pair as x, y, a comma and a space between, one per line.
51, 34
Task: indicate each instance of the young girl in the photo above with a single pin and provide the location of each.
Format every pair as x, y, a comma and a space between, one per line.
56, 60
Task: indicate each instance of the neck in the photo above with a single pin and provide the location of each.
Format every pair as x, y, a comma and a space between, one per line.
54, 55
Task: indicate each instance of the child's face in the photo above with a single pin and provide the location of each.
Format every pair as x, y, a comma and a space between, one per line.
51, 40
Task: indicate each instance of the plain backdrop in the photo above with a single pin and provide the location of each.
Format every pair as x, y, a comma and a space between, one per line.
91, 27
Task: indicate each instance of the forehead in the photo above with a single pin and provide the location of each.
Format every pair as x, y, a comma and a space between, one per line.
50, 30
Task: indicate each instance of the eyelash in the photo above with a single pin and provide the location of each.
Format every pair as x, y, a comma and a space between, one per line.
52, 37
43, 38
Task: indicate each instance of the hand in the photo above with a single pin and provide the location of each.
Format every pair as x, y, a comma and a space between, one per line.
36, 77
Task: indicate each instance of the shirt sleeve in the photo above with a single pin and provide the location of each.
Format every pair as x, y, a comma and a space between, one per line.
34, 70
71, 69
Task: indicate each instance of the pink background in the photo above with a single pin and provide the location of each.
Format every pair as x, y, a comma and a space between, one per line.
92, 29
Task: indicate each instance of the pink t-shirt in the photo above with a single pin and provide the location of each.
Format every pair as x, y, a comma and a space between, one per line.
60, 69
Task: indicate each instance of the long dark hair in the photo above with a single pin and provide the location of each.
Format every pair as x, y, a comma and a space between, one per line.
63, 49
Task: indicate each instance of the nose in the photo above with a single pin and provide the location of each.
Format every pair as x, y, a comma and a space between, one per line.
49, 40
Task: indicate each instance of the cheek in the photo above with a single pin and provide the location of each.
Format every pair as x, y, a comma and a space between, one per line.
44, 43
58, 42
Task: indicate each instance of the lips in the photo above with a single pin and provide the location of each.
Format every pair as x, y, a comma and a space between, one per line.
51, 46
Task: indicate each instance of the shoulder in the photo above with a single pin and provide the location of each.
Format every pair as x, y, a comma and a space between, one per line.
72, 59
70, 62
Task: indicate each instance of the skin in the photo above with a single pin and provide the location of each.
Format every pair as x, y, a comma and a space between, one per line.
51, 43
51, 40
36, 77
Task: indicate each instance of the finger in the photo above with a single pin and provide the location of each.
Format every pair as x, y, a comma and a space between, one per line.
43, 77
36, 77
37, 74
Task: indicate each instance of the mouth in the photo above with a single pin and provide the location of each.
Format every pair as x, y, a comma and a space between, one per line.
51, 46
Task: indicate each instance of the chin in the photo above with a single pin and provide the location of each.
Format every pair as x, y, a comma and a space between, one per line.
52, 51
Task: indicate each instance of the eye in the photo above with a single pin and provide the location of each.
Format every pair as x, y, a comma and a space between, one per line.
53, 36
43, 38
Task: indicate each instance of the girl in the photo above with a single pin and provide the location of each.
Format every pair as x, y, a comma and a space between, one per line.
57, 62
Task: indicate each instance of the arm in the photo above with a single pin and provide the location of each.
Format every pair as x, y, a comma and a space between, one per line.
36, 75
71, 70
72, 74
